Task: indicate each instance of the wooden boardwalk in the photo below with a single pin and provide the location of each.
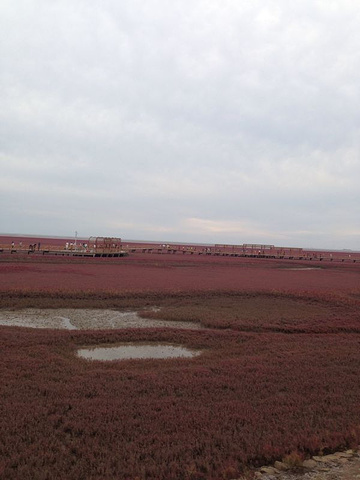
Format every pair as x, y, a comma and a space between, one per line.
61, 252
128, 248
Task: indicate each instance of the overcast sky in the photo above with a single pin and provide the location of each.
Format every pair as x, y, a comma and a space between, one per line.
217, 121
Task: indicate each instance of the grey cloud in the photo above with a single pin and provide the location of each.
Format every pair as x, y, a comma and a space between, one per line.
163, 111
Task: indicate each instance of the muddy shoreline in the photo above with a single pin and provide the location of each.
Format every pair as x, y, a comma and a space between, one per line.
85, 319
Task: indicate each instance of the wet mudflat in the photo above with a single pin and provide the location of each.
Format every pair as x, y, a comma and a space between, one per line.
136, 351
84, 319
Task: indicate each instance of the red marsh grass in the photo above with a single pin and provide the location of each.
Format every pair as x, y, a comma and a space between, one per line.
170, 272
278, 372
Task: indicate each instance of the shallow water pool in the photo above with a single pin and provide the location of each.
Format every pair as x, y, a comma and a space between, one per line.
136, 351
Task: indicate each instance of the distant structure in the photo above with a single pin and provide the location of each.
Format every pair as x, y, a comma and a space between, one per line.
105, 245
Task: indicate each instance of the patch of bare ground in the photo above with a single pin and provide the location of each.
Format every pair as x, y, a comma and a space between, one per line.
336, 466
85, 319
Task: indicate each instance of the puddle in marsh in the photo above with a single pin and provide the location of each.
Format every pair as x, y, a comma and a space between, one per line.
84, 319
136, 351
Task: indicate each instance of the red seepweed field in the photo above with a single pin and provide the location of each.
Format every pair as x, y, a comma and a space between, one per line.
160, 273
278, 374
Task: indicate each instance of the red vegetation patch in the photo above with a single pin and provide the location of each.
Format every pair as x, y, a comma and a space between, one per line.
171, 272
278, 373
249, 399
261, 312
